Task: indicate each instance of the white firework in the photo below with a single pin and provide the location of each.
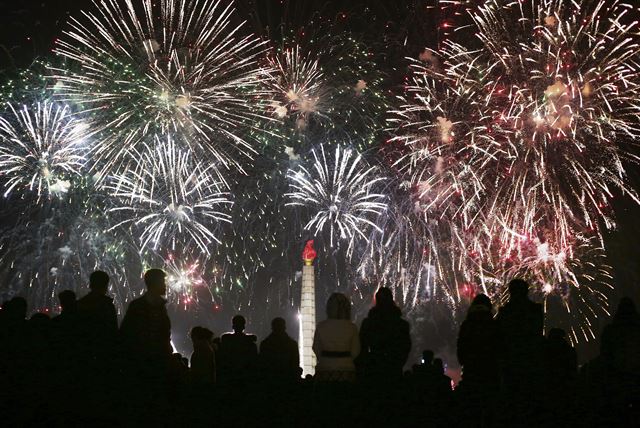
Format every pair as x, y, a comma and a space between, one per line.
41, 148
183, 279
299, 87
149, 68
171, 199
340, 193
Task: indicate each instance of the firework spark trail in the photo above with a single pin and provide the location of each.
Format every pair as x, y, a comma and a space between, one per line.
176, 67
299, 86
409, 255
171, 198
316, 91
562, 129
546, 118
58, 244
329, 88
340, 193
41, 148
572, 281
183, 280
520, 139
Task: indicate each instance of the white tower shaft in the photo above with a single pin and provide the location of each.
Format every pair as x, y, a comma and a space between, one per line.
307, 320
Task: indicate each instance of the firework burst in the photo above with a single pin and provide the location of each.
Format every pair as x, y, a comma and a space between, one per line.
59, 243
340, 193
573, 280
299, 87
527, 128
178, 67
522, 139
171, 199
183, 280
42, 147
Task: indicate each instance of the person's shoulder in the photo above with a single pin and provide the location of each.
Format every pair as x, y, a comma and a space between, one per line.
138, 300
537, 307
373, 313
292, 341
138, 303
404, 323
107, 300
266, 342
322, 324
504, 310
86, 301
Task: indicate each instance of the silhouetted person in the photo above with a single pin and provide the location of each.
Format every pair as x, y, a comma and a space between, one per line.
442, 382
13, 336
479, 347
561, 359
336, 342
521, 327
40, 365
14, 346
65, 325
203, 361
146, 328
279, 355
66, 334
620, 343
425, 368
560, 373
427, 357
620, 350
98, 321
385, 339
14, 312
68, 305
238, 352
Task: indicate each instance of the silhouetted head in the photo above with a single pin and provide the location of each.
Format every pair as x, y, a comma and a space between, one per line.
207, 334
239, 323
556, 334
482, 300
338, 307
67, 300
438, 365
384, 298
17, 309
201, 334
99, 282
154, 279
427, 356
518, 289
278, 325
195, 333
626, 310
40, 320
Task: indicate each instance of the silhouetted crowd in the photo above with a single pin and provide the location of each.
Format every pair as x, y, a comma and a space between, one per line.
80, 368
